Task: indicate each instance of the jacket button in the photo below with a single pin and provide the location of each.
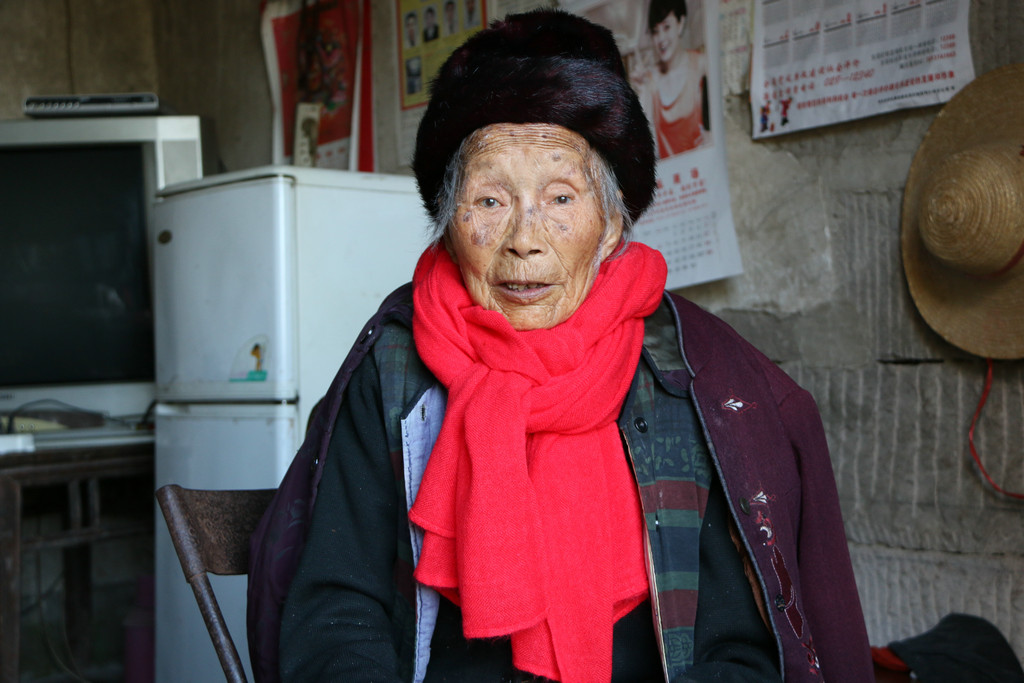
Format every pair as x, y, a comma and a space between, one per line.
640, 424
745, 506
780, 603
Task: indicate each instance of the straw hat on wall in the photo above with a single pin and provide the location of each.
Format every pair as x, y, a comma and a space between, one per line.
963, 218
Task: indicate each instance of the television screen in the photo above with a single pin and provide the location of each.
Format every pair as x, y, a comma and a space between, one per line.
74, 279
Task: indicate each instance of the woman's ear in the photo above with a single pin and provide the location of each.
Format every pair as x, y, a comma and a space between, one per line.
612, 236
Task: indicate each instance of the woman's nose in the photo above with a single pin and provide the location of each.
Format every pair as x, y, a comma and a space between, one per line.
525, 236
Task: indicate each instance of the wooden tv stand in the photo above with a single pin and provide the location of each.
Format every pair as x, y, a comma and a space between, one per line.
79, 470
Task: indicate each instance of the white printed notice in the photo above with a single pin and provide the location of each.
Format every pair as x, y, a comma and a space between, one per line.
672, 58
818, 62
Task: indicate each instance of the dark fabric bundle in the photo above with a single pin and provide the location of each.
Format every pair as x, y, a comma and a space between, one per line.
545, 66
960, 649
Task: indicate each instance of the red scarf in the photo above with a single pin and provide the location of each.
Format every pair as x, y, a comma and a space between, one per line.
531, 513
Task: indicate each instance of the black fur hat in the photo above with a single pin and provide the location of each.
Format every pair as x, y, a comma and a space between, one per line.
545, 66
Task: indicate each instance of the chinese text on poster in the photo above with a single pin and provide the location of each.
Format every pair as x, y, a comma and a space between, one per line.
818, 62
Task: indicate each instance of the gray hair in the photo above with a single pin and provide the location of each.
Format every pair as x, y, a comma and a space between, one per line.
599, 173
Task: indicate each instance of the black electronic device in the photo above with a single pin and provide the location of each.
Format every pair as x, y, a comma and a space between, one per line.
111, 104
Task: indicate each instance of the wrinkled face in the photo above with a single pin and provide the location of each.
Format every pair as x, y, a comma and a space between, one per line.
666, 35
529, 233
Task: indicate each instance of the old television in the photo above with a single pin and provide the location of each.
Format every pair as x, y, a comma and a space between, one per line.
76, 318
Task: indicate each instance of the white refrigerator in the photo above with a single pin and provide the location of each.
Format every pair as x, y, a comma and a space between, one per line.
262, 280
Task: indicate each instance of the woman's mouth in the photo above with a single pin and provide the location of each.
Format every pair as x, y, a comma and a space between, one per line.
523, 286
524, 292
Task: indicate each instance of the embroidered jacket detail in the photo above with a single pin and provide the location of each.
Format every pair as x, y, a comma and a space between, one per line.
737, 405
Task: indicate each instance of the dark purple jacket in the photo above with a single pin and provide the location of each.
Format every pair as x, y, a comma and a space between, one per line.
768, 445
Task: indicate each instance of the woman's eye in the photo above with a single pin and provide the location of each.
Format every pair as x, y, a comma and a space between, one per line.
488, 202
563, 199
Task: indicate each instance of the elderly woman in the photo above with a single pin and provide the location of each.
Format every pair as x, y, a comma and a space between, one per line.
551, 469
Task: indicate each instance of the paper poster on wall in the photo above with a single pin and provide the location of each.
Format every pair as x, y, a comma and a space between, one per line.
419, 65
310, 49
428, 33
819, 62
672, 58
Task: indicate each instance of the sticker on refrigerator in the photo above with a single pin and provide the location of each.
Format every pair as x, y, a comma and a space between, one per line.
251, 361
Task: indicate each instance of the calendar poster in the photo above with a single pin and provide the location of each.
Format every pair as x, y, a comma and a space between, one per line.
674, 64
820, 62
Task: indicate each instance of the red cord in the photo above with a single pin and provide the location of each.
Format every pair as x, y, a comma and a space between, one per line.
887, 659
970, 436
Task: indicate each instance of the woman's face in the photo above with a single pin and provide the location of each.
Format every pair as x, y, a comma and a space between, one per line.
667, 35
529, 233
